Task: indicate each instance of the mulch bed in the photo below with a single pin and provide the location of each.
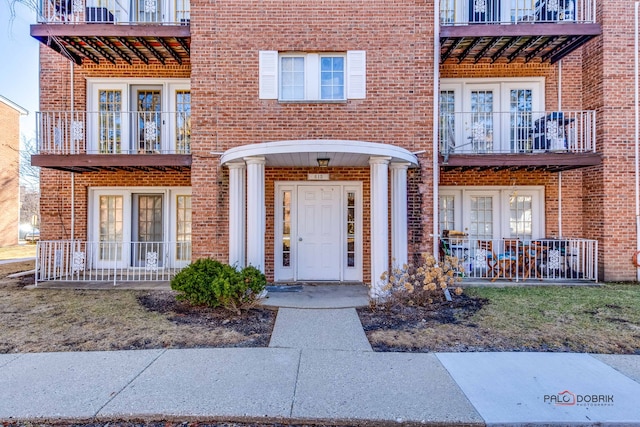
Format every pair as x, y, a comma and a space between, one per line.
249, 322
400, 317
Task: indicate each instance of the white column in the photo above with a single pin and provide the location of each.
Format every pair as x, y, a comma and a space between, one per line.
237, 215
399, 224
379, 167
255, 211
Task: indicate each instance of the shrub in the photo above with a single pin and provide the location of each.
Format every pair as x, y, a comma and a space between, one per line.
214, 284
421, 285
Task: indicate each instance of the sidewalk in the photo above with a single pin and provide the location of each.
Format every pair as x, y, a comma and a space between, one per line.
319, 368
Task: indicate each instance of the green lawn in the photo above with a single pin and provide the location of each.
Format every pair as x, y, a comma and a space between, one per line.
590, 318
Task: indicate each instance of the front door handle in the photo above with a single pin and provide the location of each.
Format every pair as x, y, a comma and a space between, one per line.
299, 239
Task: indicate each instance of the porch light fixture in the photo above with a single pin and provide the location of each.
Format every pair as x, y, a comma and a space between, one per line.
323, 162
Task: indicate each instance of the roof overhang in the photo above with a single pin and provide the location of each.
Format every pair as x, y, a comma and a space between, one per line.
305, 153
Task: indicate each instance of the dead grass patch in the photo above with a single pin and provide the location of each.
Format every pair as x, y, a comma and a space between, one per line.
43, 320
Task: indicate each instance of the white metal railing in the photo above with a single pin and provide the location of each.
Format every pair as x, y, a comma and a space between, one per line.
463, 12
517, 132
75, 260
113, 132
162, 12
521, 260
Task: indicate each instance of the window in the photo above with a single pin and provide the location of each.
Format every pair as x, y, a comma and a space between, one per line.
493, 212
312, 76
488, 115
138, 116
129, 224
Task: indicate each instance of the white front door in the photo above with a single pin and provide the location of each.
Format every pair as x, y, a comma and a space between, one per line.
319, 231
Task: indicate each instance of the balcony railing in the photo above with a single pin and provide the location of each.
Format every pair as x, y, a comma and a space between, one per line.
75, 260
517, 132
159, 12
113, 132
525, 260
463, 12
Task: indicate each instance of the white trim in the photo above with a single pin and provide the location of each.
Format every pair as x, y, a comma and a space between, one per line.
13, 105
291, 273
265, 149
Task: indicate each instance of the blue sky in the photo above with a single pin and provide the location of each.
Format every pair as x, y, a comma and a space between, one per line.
19, 63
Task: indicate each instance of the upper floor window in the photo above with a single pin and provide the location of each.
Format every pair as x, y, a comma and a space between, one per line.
312, 76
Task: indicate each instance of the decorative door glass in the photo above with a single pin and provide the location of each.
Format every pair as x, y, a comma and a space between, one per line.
351, 229
286, 228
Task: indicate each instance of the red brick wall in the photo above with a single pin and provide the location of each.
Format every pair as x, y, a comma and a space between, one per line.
226, 40
609, 203
9, 181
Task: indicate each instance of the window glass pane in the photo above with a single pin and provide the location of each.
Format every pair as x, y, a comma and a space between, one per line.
110, 121
446, 213
149, 120
292, 78
520, 216
481, 129
110, 228
520, 119
481, 222
332, 77
447, 121
183, 229
183, 121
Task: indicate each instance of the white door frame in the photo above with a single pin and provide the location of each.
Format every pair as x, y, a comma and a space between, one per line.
290, 273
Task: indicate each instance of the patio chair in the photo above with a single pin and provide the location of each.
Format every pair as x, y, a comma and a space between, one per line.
485, 250
508, 260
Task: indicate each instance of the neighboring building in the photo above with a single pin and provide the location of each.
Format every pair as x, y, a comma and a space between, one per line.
9, 171
324, 140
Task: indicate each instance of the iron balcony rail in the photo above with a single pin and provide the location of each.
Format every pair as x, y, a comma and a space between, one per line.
517, 132
159, 12
113, 132
463, 12
75, 260
517, 260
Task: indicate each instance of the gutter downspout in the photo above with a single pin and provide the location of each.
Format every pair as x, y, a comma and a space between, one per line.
436, 87
73, 175
636, 137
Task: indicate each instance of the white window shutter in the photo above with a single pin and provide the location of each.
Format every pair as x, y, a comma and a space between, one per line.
356, 74
268, 63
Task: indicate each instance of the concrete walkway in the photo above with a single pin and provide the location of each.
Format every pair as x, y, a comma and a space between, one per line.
319, 368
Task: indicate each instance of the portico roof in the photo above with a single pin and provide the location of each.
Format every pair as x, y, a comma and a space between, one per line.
305, 153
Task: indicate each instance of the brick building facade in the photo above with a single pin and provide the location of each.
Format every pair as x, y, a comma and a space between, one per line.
206, 130
9, 171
